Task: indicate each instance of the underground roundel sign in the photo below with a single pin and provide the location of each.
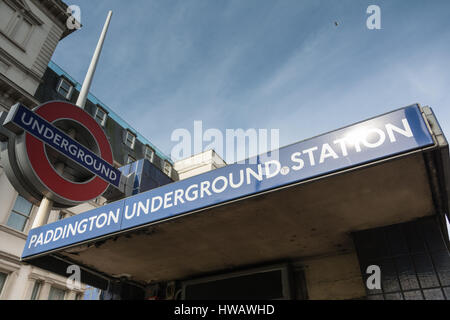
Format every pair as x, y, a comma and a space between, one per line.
59, 151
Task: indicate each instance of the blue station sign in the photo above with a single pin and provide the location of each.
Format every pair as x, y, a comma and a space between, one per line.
388, 135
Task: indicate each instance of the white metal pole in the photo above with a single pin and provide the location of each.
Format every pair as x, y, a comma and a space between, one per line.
43, 212
81, 101
46, 204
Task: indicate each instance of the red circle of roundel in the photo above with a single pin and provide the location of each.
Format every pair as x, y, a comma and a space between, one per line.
73, 191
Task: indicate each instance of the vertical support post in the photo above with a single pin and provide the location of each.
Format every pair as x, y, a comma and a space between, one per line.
46, 204
43, 212
81, 101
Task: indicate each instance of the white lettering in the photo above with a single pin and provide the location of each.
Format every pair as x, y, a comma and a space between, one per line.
204, 188
327, 152
406, 131
168, 199
142, 207
82, 226
342, 143
241, 180
153, 209
32, 240
214, 184
57, 235
103, 216
311, 156
379, 142
194, 193
270, 164
47, 238
178, 196
250, 172
132, 213
115, 217
295, 157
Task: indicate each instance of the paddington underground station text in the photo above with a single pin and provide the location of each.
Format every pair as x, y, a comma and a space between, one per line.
397, 132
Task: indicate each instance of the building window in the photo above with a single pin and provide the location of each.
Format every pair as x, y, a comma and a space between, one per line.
6, 17
130, 159
92, 293
100, 116
14, 25
3, 277
36, 290
130, 139
167, 168
64, 88
56, 294
149, 153
20, 214
21, 31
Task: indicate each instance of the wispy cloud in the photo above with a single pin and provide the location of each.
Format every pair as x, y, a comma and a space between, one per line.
262, 64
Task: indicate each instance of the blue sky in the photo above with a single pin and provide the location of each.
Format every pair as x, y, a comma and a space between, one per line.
262, 63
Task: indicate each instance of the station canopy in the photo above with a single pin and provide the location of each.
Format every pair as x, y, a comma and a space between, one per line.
311, 217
